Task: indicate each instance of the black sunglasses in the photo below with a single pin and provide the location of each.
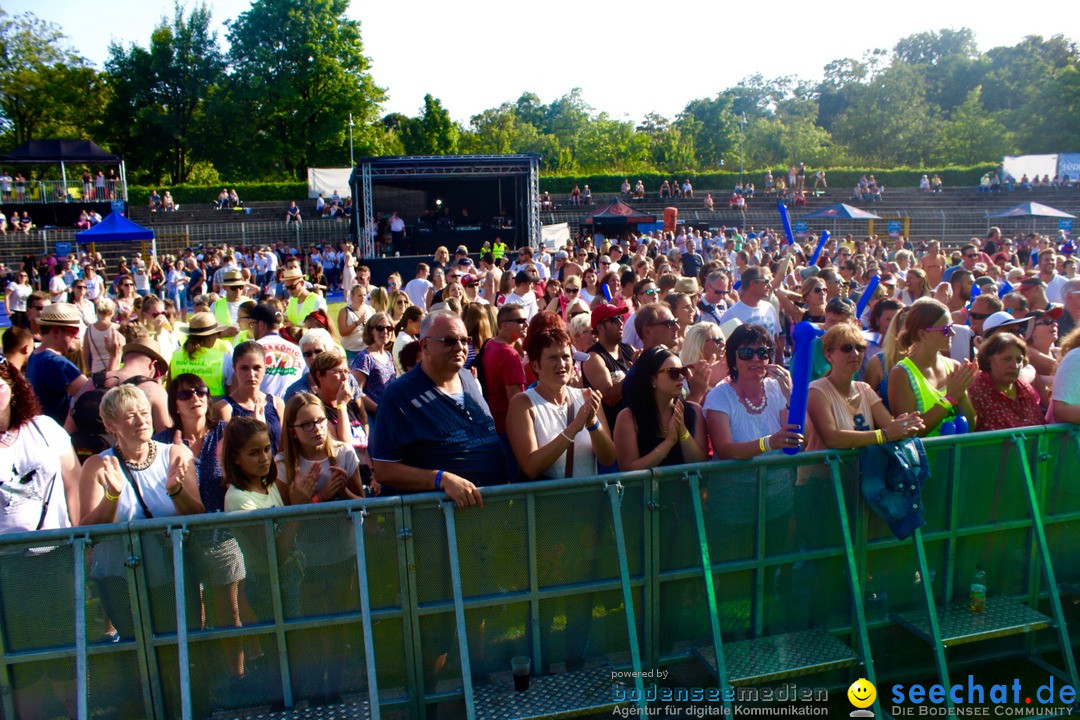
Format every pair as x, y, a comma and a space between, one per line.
312, 353
846, 348
748, 353
675, 373
669, 324
186, 395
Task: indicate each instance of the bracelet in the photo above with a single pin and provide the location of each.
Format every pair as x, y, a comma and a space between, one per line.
684, 436
952, 400
111, 498
595, 426
880, 436
567, 437
763, 444
176, 491
438, 479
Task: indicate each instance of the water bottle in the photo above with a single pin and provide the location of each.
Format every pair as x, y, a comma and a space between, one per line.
978, 592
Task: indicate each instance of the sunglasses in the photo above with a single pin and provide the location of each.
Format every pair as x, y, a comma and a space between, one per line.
312, 353
186, 395
651, 291
451, 341
946, 330
519, 321
382, 328
1046, 322
675, 373
846, 348
970, 255
748, 353
78, 287
669, 324
571, 291
978, 316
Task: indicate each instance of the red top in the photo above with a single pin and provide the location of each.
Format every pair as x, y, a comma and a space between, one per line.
994, 410
502, 367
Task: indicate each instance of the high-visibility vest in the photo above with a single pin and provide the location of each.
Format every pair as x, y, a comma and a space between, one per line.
221, 313
498, 250
296, 312
208, 363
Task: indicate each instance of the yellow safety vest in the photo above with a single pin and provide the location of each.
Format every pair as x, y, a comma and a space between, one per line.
498, 250
221, 313
208, 363
297, 312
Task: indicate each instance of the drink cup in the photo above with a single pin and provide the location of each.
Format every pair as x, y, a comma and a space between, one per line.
521, 667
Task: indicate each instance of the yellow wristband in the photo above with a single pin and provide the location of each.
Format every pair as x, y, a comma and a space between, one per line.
111, 498
684, 436
763, 444
880, 436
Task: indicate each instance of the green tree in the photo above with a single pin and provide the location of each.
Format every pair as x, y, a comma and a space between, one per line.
714, 129
46, 88
159, 94
950, 62
298, 72
432, 133
973, 135
606, 143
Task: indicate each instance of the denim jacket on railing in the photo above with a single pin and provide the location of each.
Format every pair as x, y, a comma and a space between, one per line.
892, 478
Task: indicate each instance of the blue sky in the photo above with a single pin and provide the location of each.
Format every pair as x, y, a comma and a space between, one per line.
629, 58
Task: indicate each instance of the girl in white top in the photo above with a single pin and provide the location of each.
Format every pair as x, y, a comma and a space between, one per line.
351, 320
249, 469
546, 421
15, 297
142, 280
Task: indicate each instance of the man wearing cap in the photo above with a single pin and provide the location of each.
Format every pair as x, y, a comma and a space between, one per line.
56, 379
284, 360
753, 307
1033, 289
523, 292
609, 358
302, 302
225, 309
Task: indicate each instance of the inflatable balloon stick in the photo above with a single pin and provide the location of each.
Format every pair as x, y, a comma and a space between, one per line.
607, 291
868, 293
948, 428
820, 246
805, 334
961, 424
782, 208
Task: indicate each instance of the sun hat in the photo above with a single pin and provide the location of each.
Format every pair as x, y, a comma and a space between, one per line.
233, 278
290, 274
60, 315
201, 325
147, 346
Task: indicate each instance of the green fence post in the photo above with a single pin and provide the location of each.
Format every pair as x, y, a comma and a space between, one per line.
270, 533
459, 610
414, 651
931, 610
1048, 566
177, 536
79, 551
614, 491
365, 611
710, 591
139, 598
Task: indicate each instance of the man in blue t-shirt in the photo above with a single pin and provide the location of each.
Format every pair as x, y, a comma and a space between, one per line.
56, 379
433, 430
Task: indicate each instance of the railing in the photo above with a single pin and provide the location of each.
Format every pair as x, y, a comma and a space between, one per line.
56, 191
404, 605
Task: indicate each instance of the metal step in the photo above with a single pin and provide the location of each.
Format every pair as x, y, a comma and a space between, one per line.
358, 710
959, 625
562, 694
777, 657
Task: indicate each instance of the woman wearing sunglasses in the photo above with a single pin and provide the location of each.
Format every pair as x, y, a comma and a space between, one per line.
220, 565
657, 428
1041, 350
927, 380
125, 299
844, 413
374, 367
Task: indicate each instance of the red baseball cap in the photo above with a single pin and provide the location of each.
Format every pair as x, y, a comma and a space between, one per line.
606, 311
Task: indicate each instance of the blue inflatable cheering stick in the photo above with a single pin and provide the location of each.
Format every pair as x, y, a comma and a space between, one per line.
805, 333
868, 293
820, 246
786, 222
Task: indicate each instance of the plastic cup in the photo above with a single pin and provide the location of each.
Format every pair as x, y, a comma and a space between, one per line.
521, 667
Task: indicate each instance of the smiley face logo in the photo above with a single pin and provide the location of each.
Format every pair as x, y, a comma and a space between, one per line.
862, 693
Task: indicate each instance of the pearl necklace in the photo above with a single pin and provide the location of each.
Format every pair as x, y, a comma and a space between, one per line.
751, 406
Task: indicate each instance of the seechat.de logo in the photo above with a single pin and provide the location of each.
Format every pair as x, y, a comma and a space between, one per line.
862, 694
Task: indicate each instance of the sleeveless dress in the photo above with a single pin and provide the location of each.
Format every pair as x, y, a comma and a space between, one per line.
272, 420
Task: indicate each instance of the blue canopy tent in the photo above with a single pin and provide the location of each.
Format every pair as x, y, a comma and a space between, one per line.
117, 228
1031, 210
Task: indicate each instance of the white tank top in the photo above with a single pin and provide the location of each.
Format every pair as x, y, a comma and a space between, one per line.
550, 421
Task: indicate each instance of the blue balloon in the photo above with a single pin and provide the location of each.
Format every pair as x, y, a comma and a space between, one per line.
868, 293
607, 292
948, 428
804, 334
820, 246
786, 221
961, 425
1005, 289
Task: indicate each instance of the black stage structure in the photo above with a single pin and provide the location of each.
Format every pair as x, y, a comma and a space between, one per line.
500, 194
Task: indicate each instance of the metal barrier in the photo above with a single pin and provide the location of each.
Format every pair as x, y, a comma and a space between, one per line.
408, 607
75, 191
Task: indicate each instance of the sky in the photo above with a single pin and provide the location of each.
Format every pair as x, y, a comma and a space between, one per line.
628, 58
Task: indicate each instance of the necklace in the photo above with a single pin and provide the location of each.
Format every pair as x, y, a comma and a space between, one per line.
151, 456
751, 406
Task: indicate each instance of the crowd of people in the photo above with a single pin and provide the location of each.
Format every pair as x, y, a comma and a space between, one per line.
227, 384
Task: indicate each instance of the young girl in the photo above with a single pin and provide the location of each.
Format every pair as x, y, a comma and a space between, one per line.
251, 477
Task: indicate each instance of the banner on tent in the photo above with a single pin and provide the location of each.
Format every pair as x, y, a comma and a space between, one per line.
1031, 165
328, 181
1069, 164
555, 235
62, 248
801, 226
1065, 224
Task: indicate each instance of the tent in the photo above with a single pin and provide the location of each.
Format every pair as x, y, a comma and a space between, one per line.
617, 212
1032, 210
44, 152
842, 211
116, 228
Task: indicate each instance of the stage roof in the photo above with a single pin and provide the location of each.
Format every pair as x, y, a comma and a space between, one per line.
50, 151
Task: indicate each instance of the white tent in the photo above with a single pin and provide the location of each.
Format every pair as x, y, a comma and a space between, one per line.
1031, 165
327, 180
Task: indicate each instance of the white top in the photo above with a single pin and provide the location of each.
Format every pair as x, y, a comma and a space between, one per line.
416, 289
1053, 289
142, 280
745, 425
629, 333
58, 289
30, 475
238, 500
329, 541
152, 486
19, 295
1067, 379
354, 341
763, 314
528, 301
400, 340
550, 421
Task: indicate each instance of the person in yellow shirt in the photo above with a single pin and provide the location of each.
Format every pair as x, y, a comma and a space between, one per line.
203, 353
302, 301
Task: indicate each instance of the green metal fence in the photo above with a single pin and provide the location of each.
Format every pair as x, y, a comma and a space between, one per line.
407, 607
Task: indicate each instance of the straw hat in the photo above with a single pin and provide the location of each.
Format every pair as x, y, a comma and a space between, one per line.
60, 315
687, 285
145, 346
201, 325
291, 274
233, 278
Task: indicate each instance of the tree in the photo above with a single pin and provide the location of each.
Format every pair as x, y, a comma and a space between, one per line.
433, 133
713, 128
298, 71
973, 135
45, 87
157, 110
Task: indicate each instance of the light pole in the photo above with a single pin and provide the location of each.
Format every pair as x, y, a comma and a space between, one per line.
352, 160
742, 124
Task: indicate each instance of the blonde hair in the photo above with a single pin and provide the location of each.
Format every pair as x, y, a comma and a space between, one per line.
290, 446
121, 399
105, 308
694, 342
890, 344
923, 313
379, 299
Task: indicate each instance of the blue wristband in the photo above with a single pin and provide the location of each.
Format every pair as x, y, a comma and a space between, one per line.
438, 479
595, 426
